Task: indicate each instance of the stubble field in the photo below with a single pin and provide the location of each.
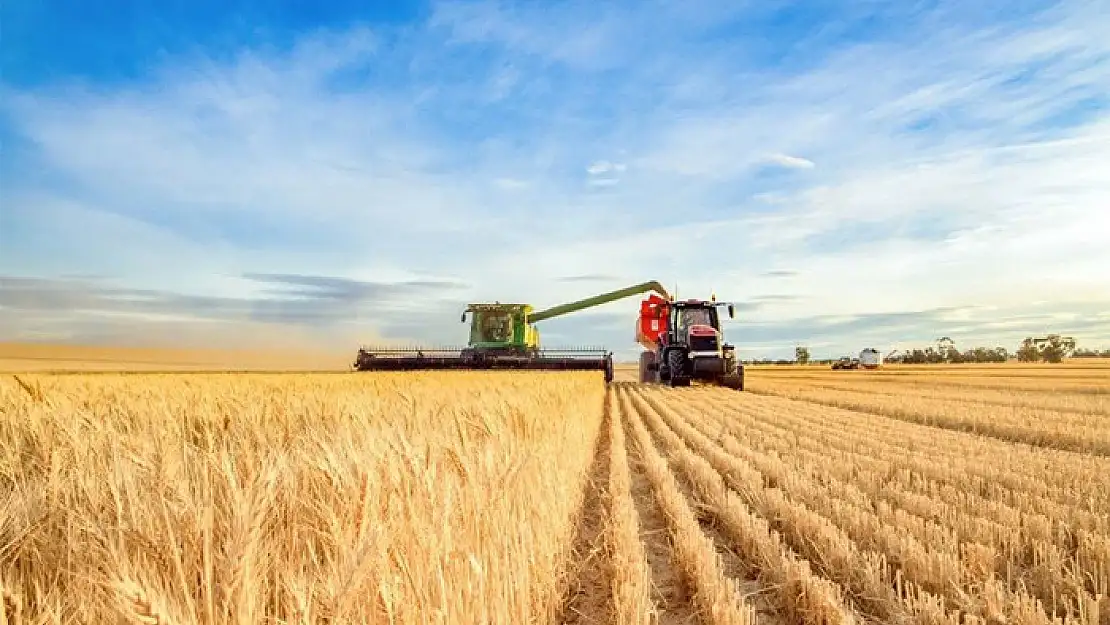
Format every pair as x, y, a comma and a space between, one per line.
908, 495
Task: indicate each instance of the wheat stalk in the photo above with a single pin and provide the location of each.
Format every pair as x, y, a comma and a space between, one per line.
137, 605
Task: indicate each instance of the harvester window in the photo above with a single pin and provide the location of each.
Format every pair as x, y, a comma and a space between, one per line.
497, 327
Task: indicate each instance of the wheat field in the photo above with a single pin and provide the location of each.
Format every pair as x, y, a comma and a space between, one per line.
905, 495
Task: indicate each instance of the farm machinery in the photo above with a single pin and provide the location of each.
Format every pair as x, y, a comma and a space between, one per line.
684, 341
869, 358
502, 336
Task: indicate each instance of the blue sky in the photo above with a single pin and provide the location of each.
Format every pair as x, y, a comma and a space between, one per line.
854, 173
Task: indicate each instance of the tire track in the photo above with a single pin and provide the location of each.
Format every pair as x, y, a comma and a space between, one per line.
670, 592
589, 597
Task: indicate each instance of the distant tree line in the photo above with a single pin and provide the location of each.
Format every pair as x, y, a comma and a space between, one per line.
946, 352
1052, 348
769, 361
1090, 353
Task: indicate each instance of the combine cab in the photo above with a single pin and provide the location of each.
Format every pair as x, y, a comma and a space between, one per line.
684, 342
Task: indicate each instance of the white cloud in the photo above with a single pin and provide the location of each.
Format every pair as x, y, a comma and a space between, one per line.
795, 162
604, 173
511, 183
604, 182
605, 167
961, 165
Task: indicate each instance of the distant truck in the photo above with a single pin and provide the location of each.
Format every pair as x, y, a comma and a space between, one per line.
869, 358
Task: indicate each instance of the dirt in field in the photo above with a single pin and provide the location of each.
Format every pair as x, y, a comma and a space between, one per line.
589, 595
671, 594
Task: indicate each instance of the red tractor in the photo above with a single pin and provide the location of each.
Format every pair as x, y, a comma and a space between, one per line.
685, 342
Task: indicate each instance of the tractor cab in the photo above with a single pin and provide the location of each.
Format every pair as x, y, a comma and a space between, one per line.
697, 323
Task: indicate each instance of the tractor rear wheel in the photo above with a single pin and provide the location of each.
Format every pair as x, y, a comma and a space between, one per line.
648, 373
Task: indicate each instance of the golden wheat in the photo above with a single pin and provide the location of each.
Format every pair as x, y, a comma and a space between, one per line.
908, 495
804, 597
631, 573
716, 596
1075, 431
934, 513
443, 498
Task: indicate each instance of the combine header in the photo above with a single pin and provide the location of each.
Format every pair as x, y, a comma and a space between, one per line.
502, 336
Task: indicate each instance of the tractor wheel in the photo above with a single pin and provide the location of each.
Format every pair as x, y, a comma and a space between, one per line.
676, 362
734, 381
647, 373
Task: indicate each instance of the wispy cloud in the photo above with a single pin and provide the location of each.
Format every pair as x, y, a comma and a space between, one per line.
793, 162
605, 167
896, 159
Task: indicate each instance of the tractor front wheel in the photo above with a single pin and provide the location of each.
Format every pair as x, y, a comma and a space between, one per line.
734, 381
676, 363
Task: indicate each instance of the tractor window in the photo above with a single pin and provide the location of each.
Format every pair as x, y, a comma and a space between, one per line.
692, 317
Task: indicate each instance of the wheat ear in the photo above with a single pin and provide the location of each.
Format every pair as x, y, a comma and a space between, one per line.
138, 605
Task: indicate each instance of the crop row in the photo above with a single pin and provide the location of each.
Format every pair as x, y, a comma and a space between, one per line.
872, 553
1073, 431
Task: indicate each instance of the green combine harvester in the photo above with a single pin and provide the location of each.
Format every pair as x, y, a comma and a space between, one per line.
502, 336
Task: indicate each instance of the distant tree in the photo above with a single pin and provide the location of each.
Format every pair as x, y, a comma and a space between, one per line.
801, 355
984, 354
1028, 351
914, 357
933, 355
946, 350
1052, 348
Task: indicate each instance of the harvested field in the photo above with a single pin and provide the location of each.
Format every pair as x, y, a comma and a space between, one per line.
820, 498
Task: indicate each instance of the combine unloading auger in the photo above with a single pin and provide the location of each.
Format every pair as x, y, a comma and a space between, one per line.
502, 336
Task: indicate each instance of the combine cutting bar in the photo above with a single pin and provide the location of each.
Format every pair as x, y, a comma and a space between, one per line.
393, 359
